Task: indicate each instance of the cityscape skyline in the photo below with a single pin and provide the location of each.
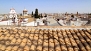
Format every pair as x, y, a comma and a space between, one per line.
46, 6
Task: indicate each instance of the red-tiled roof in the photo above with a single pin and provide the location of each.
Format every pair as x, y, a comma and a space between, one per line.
15, 39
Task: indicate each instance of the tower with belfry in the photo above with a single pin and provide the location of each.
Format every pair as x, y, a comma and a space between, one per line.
25, 12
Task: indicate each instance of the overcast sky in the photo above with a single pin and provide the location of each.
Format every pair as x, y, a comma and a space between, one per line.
46, 6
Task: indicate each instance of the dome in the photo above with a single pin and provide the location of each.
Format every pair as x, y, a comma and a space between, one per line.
25, 10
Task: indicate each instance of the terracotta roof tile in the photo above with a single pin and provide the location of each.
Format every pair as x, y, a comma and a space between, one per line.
45, 39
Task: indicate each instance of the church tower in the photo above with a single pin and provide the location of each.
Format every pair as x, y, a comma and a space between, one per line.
12, 13
25, 12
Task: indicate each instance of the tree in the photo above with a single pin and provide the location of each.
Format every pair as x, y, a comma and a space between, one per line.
36, 13
77, 13
72, 16
66, 13
20, 14
45, 15
41, 15
32, 14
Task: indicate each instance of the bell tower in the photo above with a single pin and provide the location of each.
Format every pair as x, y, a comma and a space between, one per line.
12, 13
25, 12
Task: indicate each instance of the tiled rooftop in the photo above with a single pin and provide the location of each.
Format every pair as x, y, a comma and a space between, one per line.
20, 39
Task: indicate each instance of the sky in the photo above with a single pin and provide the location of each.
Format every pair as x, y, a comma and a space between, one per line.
46, 6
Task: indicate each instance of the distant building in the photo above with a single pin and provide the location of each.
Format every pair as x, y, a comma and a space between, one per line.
25, 12
12, 13
66, 14
1, 17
